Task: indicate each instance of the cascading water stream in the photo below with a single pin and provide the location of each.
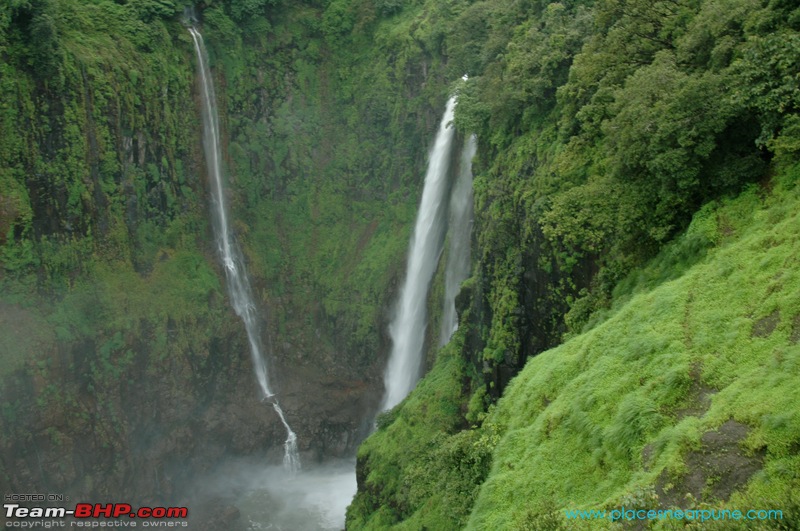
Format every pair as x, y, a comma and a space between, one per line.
408, 327
235, 272
458, 232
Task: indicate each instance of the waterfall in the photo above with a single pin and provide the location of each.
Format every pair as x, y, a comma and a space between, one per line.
458, 232
408, 326
291, 458
232, 260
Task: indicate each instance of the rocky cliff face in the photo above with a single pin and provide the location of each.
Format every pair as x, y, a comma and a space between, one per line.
125, 372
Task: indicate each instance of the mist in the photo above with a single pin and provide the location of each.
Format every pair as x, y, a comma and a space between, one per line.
272, 497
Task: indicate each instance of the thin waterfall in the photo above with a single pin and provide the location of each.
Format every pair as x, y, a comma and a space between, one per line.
408, 327
459, 233
235, 272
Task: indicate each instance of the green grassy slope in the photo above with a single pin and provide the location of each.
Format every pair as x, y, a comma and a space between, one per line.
604, 129
685, 394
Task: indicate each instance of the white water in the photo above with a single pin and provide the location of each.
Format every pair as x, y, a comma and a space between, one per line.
408, 327
459, 230
274, 498
316, 499
235, 273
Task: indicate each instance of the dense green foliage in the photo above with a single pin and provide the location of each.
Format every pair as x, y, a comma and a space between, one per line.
433, 482
706, 333
604, 127
619, 410
105, 246
118, 164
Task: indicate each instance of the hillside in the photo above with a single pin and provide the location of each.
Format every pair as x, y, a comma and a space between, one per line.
628, 332
604, 129
683, 395
686, 396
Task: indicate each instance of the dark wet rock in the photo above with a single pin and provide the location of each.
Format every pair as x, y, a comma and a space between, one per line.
766, 325
794, 338
716, 470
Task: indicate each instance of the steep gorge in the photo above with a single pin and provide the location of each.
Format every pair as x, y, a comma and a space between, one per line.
126, 372
604, 128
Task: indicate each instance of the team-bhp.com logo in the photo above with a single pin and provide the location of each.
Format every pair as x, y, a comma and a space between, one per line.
96, 511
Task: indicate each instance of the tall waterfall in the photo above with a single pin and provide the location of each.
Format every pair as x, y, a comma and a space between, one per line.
458, 232
235, 273
408, 327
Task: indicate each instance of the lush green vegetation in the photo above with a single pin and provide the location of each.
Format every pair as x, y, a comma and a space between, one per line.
604, 128
101, 211
605, 125
433, 482
616, 414
105, 246
708, 332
